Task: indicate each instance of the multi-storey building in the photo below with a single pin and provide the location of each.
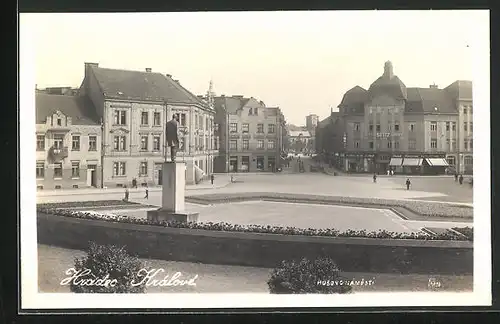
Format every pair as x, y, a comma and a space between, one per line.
134, 107
250, 135
312, 121
410, 130
68, 142
300, 141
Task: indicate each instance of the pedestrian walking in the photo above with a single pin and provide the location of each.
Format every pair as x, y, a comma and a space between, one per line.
461, 179
134, 183
147, 192
392, 172
212, 178
408, 184
374, 178
388, 172
456, 177
126, 194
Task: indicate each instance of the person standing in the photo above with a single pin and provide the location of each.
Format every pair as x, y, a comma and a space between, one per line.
134, 183
126, 194
212, 178
388, 172
374, 178
147, 192
408, 184
392, 172
456, 177
461, 179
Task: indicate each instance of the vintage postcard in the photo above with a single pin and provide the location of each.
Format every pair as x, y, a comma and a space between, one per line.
254, 159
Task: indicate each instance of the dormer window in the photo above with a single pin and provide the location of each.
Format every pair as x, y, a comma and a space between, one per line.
59, 122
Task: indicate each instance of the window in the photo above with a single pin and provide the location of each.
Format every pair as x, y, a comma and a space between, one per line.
59, 121
119, 169
233, 127
370, 127
260, 128
144, 143
233, 144
451, 160
396, 145
447, 126
271, 144
465, 110
156, 143
433, 126
75, 143
92, 143
245, 128
389, 127
271, 129
156, 119
120, 143
260, 144
245, 163
207, 124
377, 128
470, 127
433, 143
396, 127
144, 118
412, 144
75, 169
453, 145
371, 145
207, 143
411, 127
181, 118
201, 122
120, 117
196, 120
389, 144
246, 144
470, 144
58, 141
465, 126
58, 171
447, 144
260, 163
40, 170
143, 170
356, 144
356, 127
40, 142
466, 145
468, 160
453, 126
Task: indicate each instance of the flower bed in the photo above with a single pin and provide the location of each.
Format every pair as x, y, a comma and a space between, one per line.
88, 204
466, 231
433, 209
210, 226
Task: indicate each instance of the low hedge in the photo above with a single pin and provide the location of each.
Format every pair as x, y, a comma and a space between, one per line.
433, 209
88, 204
210, 226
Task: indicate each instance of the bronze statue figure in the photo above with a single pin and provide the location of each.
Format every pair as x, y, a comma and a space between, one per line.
172, 137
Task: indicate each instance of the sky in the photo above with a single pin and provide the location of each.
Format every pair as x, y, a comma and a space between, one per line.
302, 62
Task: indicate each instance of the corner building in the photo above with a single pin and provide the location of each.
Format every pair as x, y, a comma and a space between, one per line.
135, 107
68, 142
250, 135
409, 130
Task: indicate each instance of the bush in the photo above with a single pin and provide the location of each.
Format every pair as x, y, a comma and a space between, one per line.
320, 276
108, 262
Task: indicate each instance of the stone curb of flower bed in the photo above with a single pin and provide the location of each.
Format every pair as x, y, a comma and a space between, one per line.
90, 204
434, 209
256, 228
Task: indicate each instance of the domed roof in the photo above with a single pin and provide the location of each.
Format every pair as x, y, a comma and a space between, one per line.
388, 84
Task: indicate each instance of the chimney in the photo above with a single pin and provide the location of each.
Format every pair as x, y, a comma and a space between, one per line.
176, 81
169, 75
148, 69
91, 65
433, 86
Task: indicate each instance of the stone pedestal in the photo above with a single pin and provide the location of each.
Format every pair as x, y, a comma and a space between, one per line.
173, 195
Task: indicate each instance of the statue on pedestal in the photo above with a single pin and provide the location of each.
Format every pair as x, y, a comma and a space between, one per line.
172, 137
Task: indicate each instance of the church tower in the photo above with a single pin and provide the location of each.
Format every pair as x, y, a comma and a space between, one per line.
210, 95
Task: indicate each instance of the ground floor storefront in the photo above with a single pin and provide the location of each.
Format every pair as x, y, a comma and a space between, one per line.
401, 163
461, 163
244, 162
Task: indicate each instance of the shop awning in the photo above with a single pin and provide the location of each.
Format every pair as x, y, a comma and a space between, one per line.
412, 162
396, 162
437, 162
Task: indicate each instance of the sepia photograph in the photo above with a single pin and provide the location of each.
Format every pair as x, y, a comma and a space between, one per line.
198, 160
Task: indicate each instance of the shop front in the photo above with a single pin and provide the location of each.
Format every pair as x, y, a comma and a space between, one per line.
412, 164
382, 161
434, 165
396, 164
358, 162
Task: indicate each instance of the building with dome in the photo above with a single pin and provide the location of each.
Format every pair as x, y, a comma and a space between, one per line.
409, 130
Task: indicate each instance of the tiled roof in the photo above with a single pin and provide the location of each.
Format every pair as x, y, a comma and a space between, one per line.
234, 103
80, 109
460, 90
138, 85
388, 86
298, 133
354, 96
429, 100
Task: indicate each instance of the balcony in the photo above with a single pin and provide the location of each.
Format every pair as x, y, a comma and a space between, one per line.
57, 154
